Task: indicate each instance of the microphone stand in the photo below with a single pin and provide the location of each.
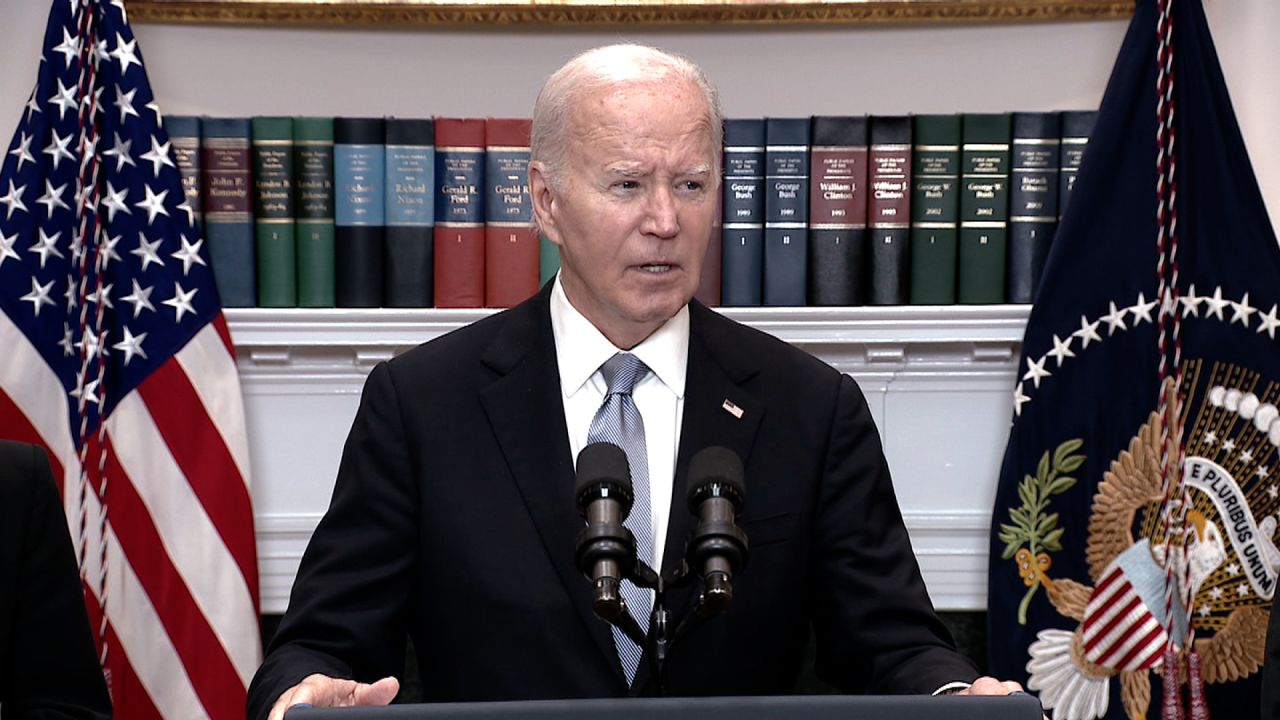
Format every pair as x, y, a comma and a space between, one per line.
661, 638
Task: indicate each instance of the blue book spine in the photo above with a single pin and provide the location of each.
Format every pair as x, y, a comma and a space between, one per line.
360, 171
786, 208
507, 199
410, 187
742, 230
228, 208
359, 213
460, 177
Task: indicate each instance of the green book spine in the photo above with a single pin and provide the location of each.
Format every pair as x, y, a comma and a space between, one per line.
313, 173
935, 209
548, 260
274, 211
984, 207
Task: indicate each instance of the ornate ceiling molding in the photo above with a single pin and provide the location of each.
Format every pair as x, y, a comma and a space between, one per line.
626, 12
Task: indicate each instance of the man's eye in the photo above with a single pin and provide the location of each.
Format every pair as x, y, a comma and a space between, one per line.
691, 185
627, 184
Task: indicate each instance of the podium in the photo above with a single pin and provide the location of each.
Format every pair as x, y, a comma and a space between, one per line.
803, 707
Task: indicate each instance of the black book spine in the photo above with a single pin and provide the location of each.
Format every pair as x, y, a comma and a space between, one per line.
838, 211
1033, 201
1077, 126
359, 215
410, 199
890, 213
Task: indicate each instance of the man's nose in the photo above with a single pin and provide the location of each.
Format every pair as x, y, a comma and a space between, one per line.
660, 216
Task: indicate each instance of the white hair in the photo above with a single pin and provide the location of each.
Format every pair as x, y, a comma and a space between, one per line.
602, 67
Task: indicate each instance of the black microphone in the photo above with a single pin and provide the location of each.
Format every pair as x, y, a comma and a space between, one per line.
718, 548
606, 551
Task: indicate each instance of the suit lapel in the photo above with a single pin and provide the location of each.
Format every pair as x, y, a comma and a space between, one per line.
526, 412
717, 411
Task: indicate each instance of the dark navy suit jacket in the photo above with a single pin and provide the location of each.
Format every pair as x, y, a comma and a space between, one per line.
453, 521
48, 665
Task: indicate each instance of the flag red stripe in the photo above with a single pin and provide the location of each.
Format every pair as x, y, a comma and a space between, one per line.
224, 332
206, 663
14, 425
1091, 617
1144, 645
204, 459
1133, 601
126, 690
1120, 617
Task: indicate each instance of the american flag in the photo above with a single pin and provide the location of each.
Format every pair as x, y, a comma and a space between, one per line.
117, 359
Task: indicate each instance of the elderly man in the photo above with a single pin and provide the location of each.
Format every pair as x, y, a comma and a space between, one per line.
453, 518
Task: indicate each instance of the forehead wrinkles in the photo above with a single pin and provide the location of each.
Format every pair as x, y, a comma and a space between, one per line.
635, 117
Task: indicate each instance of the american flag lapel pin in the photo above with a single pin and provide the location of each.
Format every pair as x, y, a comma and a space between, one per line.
731, 408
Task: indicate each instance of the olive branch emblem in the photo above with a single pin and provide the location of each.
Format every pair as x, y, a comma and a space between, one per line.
1033, 534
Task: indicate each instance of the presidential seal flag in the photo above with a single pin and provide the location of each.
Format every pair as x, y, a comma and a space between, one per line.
1134, 551
118, 361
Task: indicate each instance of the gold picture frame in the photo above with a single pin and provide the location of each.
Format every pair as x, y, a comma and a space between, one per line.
618, 12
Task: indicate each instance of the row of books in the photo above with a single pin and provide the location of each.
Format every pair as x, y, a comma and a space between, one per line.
435, 212
891, 210
362, 212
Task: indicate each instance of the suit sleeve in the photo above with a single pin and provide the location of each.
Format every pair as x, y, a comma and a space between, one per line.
876, 627
50, 666
1271, 666
348, 608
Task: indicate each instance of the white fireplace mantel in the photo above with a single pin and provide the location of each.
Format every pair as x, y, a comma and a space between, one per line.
939, 381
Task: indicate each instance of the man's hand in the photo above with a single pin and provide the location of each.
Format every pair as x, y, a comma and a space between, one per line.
991, 686
324, 691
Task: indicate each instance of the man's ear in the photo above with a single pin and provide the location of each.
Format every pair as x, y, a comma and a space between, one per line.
544, 201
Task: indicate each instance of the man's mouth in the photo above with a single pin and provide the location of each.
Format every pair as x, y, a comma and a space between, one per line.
655, 268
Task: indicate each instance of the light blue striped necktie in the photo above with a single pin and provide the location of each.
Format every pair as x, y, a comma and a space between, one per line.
618, 421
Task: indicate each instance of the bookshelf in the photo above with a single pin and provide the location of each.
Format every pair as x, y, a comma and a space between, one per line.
938, 379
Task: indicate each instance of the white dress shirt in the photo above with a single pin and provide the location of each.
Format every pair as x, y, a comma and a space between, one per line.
580, 351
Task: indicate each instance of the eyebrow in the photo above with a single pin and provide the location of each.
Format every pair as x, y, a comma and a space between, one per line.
634, 170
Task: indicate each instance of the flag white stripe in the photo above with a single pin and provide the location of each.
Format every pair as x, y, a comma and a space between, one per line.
1134, 635
33, 387
1101, 619
189, 535
1128, 622
144, 641
212, 373
1096, 621
140, 636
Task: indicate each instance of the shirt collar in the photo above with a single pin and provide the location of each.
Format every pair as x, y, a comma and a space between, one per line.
581, 348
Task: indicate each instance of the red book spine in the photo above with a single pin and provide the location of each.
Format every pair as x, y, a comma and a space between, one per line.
459, 232
511, 241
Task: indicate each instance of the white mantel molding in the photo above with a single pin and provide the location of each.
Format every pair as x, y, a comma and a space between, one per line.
863, 335
939, 381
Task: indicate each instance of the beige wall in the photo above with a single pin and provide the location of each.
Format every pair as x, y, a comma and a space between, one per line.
777, 71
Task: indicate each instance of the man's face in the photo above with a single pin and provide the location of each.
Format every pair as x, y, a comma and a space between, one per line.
634, 209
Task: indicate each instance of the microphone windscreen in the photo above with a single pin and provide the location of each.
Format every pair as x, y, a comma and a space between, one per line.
602, 464
714, 465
